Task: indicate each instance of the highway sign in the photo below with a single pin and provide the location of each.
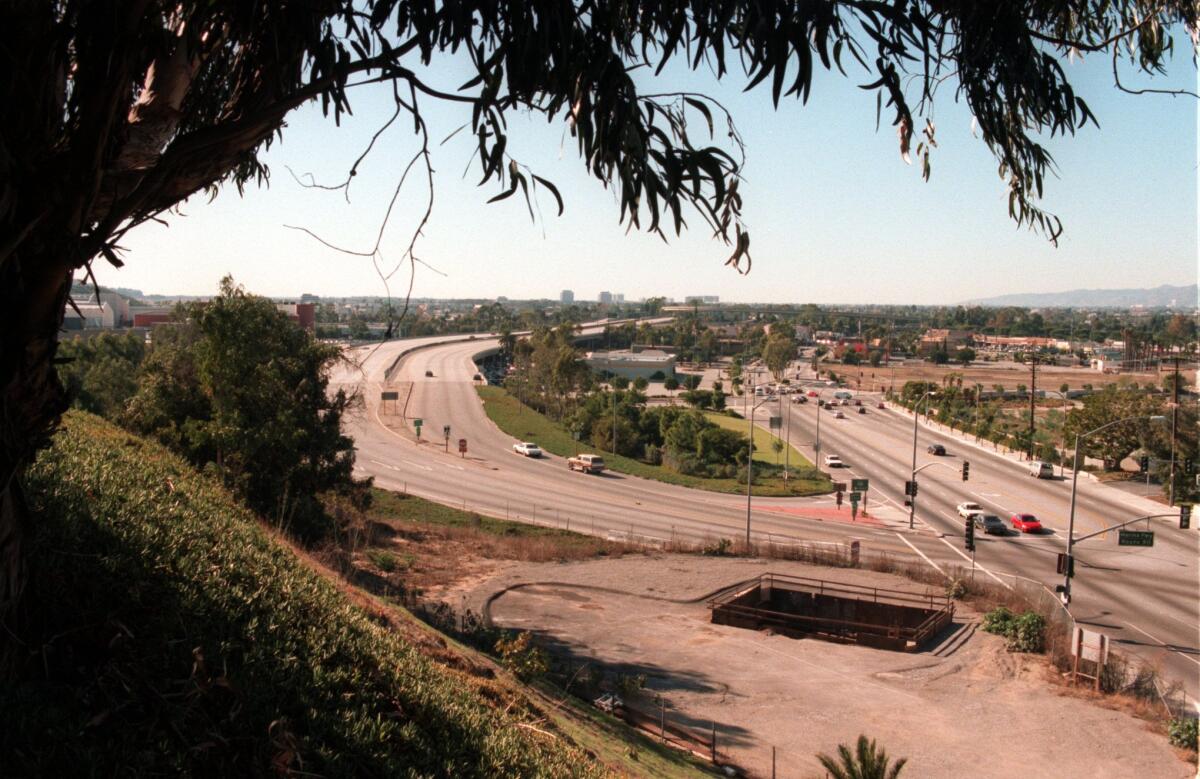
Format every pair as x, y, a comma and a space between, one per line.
390, 395
859, 485
775, 423
1185, 516
417, 422
855, 497
1135, 538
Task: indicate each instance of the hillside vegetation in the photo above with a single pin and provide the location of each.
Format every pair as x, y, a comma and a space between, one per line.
168, 633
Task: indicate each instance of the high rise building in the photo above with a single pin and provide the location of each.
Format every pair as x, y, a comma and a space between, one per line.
605, 298
566, 297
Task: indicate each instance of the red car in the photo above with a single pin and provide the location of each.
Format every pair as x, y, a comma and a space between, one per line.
811, 394
1026, 523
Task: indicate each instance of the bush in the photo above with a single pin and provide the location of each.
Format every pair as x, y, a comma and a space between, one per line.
1183, 732
1024, 633
722, 547
956, 589
522, 657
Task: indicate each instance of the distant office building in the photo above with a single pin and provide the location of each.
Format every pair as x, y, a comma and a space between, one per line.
303, 314
704, 300
618, 297
605, 298
148, 317
88, 316
632, 365
566, 297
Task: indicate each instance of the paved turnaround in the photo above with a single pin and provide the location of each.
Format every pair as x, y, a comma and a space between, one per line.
1146, 599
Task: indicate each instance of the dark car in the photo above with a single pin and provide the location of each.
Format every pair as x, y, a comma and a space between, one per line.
862, 409
990, 524
429, 374
937, 449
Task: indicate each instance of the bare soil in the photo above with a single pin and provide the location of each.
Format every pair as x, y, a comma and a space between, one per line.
953, 710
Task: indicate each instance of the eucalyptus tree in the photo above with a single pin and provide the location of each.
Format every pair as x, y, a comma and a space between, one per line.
118, 110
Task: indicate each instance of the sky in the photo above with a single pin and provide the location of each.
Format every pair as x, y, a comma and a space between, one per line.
835, 215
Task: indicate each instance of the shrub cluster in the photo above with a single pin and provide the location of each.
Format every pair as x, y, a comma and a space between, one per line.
1024, 633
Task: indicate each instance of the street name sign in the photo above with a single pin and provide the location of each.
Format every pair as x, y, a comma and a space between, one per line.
859, 485
1135, 538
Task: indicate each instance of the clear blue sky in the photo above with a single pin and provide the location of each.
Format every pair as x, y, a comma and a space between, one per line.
835, 214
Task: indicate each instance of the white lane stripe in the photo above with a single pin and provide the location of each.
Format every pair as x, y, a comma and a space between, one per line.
1162, 643
999, 581
923, 557
984, 496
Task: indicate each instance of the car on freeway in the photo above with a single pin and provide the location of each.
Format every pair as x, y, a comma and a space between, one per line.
969, 507
862, 409
857, 402
528, 449
881, 404
839, 415
429, 374
1026, 523
799, 399
989, 523
586, 463
936, 449
845, 401
1041, 470
842, 395
833, 461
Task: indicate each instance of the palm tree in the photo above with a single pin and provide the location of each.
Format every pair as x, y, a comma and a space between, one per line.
867, 762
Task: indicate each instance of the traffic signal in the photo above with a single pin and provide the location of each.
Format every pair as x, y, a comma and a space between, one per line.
910, 488
1189, 466
1144, 463
970, 533
966, 470
839, 498
1066, 564
1185, 517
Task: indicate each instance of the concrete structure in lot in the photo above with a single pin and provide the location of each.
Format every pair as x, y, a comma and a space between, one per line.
939, 338
632, 365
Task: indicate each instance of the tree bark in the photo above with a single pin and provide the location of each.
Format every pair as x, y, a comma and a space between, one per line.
33, 293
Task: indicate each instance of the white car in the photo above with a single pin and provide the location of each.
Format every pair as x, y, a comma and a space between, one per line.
968, 508
833, 461
528, 449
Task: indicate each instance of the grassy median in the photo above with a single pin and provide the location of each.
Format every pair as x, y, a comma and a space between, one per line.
525, 424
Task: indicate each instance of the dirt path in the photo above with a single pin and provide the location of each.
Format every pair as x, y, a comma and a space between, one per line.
980, 711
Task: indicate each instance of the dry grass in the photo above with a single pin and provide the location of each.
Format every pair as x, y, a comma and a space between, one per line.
1010, 374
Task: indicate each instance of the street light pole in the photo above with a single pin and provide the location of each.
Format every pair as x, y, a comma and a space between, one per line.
1066, 589
912, 499
749, 455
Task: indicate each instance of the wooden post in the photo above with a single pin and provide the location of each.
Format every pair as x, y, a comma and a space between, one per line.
662, 718
713, 742
772, 762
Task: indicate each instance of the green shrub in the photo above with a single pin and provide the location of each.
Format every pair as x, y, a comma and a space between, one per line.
1028, 634
956, 589
719, 548
176, 637
999, 621
1183, 732
522, 657
1024, 633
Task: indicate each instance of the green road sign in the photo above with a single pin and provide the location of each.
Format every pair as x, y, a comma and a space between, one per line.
859, 485
1135, 538
417, 422
855, 497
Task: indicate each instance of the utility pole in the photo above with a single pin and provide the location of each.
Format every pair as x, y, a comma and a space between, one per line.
1033, 360
1174, 427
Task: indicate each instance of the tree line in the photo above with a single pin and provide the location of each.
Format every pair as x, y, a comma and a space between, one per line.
240, 391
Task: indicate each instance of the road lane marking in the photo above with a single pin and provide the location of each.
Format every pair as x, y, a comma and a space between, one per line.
999, 581
1163, 644
419, 465
923, 557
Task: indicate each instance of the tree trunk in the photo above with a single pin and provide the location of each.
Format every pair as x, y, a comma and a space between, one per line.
33, 290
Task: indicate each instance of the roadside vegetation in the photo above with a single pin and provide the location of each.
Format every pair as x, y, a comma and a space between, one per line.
525, 424
170, 634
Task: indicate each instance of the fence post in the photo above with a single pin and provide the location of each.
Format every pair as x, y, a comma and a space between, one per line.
662, 718
713, 743
772, 762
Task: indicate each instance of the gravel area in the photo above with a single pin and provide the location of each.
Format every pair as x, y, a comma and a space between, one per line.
978, 711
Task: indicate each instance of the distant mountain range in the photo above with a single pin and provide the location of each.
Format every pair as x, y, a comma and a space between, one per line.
1156, 297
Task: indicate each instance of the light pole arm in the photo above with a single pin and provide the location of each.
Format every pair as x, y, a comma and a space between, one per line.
1123, 524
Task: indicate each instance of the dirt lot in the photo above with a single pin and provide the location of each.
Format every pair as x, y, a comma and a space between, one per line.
977, 711
1010, 374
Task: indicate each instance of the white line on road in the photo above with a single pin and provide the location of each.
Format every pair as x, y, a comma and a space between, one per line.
1163, 643
999, 581
923, 557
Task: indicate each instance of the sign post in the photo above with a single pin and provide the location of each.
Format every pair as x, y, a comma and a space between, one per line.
855, 497
446, 435
462, 447
1090, 646
861, 485
417, 422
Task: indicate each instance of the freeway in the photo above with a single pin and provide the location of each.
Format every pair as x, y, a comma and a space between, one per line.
1144, 598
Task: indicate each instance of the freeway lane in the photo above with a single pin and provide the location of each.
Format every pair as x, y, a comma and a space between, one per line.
1148, 596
